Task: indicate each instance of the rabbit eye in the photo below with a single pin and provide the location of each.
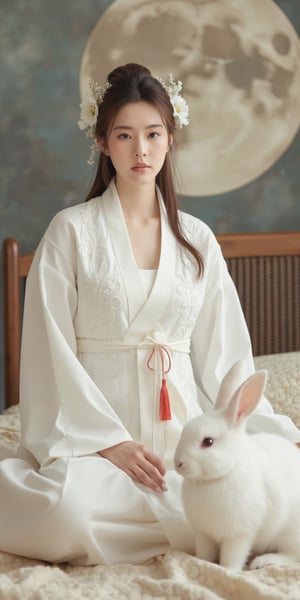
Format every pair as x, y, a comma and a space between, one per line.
207, 442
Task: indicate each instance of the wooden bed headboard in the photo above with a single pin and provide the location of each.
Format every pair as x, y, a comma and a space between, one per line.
266, 270
264, 266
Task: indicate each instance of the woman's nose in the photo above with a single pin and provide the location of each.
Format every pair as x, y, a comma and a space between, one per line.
140, 150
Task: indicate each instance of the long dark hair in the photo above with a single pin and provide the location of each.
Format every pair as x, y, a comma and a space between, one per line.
134, 83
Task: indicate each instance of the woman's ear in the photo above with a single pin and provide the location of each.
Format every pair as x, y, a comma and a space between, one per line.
171, 139
102, 145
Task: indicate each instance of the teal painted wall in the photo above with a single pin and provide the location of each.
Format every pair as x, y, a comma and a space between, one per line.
43, 154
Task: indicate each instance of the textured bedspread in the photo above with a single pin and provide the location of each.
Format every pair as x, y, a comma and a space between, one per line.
176, 575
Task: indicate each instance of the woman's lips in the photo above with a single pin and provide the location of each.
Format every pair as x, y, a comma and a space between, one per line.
140, 167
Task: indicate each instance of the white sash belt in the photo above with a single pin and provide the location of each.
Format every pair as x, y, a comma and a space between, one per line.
159, 359
92, 346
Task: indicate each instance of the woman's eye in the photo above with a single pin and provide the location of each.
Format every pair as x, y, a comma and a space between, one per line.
207, 442
154, 134
124, 136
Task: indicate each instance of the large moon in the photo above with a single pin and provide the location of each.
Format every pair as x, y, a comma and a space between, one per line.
239, 62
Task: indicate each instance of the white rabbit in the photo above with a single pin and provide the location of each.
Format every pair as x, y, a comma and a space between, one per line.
240, 492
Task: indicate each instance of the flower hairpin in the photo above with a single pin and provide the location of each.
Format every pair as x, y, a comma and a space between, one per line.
92, 99
89, 108
180, 106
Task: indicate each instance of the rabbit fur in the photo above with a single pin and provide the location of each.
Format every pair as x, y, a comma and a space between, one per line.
240, 491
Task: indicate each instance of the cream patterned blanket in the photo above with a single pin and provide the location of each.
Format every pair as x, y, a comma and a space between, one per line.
174, 576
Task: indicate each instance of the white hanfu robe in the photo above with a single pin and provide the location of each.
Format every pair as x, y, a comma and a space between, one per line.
93, 350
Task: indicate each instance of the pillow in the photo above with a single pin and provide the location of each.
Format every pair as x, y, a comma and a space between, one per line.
283, 386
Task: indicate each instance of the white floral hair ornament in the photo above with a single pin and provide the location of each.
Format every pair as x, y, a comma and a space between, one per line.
180, 106
89, 108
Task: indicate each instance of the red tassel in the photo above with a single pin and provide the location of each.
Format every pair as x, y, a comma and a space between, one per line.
164, 402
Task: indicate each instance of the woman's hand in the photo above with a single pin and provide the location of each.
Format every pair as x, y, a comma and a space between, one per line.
142, 465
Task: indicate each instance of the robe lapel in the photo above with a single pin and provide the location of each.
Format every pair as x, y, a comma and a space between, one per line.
123, 252
144, 313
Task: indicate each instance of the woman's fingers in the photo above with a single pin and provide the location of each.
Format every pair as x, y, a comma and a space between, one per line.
149, 476
155, 460
142, 465
149, 469
140, 476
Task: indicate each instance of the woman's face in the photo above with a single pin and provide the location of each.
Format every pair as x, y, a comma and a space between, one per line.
137, 143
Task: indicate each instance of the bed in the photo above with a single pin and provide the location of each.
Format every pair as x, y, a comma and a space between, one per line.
176, 575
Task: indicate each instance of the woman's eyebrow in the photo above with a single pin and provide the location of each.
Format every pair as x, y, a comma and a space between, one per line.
129, 127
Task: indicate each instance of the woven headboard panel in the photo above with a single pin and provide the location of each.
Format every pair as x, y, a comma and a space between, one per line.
266, 270
269, 290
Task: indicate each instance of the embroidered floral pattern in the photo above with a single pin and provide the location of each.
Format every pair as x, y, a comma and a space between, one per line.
99, 279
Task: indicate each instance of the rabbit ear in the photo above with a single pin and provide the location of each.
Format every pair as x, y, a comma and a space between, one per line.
229, 385
246, 398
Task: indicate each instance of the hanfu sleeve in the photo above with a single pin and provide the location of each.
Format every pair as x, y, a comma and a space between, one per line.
220, 338
63, 412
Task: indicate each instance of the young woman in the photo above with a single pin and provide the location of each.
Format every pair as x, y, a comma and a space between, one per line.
131, 321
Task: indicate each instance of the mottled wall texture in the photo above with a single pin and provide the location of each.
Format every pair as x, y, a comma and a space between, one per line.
43, 153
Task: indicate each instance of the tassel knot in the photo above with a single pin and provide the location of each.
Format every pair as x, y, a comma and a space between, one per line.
164, 400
